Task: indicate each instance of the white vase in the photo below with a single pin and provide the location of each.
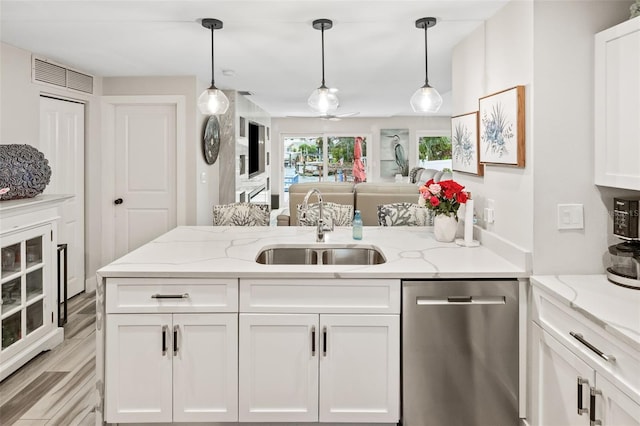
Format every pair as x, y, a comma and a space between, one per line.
445, 227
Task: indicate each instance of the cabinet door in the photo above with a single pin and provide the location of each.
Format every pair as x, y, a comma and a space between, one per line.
138, 384
555, 388
27, 288
360, 368
278, 377
205, 367
615, 407
617, 106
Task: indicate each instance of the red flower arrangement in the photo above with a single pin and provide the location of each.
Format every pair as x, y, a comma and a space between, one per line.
443, 197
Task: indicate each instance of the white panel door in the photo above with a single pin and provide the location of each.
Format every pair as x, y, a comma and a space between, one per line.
145, 173
555, 383
360, 368
616, 407
138, 384
205, 367
62, 143
278, 377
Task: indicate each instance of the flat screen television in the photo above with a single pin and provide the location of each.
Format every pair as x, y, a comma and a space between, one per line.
256, 149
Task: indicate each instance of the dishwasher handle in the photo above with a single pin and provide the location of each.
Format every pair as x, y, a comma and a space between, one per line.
461, 300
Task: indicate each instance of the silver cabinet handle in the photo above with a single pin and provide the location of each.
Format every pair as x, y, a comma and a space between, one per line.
581, 382
165, 329
592, 405
461, 300
324, 341
170, 296
313, 340
175, 339
597, 351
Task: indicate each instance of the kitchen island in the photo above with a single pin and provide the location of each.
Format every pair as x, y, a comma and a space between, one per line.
207, 280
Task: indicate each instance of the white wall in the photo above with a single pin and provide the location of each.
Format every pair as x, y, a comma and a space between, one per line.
496, 56
547, 46
564, 135
418, 125
20, 123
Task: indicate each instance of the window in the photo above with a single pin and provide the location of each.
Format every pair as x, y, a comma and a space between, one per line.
434, 152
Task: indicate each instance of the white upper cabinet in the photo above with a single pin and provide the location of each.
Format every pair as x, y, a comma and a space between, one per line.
617, 106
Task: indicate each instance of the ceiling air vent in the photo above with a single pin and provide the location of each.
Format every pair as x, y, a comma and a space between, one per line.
45, 71
78, 81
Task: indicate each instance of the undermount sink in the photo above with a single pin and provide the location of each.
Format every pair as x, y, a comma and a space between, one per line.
320, 254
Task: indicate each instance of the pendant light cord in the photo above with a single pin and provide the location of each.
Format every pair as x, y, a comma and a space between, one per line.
213, 82
426, 58
322, 35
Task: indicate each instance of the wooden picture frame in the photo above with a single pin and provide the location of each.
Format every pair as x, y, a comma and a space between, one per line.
465, 144
502, 127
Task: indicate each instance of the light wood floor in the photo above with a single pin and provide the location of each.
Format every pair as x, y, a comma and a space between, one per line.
57, 387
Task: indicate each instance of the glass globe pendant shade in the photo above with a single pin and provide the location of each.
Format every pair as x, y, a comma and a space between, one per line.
323, 101
426, 99
213, 101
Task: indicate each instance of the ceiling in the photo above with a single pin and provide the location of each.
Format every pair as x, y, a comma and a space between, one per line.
374, 54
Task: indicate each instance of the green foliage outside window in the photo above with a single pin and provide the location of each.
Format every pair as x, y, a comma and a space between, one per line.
433, 148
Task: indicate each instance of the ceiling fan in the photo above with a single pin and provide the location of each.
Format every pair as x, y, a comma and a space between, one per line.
327, 116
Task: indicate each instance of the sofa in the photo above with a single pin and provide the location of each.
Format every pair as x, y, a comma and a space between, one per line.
366, 196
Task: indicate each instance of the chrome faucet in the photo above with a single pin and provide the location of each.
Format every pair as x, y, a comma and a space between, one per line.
321, 227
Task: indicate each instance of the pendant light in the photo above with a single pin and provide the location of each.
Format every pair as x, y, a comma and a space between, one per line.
323, 100
212, 101
426, 99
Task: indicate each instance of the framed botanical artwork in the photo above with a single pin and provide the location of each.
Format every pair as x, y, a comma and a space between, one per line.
465, 144
502, 128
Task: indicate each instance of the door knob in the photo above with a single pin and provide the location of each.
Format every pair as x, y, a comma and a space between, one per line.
118, 201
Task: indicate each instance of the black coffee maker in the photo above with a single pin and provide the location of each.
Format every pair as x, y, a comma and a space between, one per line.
625, 257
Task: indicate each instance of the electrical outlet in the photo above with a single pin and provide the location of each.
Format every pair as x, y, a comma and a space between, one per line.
489, 215
489, 211
570, 216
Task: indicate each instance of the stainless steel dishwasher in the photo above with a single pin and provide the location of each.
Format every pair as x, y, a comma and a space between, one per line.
460, 353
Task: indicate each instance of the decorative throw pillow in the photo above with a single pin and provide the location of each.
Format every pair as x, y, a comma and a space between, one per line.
403, 214
241, 214
339, 214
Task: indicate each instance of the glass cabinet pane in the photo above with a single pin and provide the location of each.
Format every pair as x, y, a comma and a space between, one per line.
34, 284
10, 259
11, 295
34, 316
11, 330
34, 251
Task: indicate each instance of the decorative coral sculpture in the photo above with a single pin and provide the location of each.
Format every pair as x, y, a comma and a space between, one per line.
24, 172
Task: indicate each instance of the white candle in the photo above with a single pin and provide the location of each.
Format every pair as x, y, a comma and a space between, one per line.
468, 221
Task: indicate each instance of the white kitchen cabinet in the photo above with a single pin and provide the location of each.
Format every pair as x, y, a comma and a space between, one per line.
29, 309
278, 367
315, 360
171, 367
573, 383
359, 368
617, 106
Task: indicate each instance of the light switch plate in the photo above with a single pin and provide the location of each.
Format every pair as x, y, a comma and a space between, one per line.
570, 216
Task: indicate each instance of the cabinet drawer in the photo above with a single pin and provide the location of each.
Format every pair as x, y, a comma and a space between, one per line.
131, 295
320, 296
565, 324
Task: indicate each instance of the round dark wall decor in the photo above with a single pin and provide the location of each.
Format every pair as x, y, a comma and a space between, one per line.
24, 172
211, 140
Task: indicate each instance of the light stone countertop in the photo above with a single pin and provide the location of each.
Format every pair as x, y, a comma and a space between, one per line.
616, 309
207, 251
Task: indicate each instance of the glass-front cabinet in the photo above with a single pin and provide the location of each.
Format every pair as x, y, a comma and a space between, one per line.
26, 311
